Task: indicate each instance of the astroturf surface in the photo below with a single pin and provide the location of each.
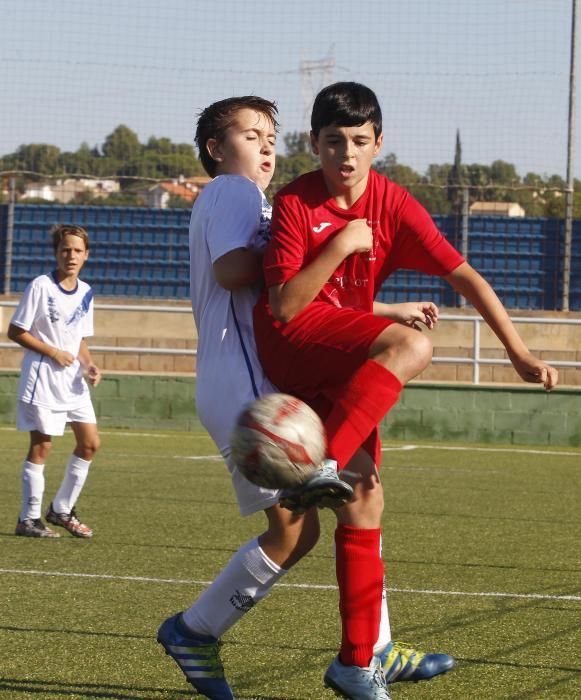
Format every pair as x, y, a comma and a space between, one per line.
481, 548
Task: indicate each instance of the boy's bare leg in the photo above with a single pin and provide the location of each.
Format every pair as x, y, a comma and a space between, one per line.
404, 351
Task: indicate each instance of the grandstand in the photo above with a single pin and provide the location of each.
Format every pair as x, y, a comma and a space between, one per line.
143, 253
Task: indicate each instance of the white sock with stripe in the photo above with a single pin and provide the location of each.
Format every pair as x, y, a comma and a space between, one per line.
243, 582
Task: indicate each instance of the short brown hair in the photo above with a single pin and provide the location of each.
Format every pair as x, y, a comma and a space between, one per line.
215, 120
59, 231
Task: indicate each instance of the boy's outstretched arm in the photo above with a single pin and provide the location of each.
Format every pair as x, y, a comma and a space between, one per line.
409, 313
471, 285
288, 299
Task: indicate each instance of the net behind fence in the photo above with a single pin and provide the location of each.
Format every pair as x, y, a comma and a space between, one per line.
99, 100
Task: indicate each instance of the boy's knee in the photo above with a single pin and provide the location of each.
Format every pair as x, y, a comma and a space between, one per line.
40, 451
88, 448
407, 353
423, 350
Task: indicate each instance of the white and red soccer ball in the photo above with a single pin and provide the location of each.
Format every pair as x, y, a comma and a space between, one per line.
278, 441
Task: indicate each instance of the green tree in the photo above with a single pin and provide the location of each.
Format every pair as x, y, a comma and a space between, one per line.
122, 144
402, 174
438, 174
288, 168
503, 173
38, 157
297, 142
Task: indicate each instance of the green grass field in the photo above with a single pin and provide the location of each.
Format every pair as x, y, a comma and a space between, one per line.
481, 547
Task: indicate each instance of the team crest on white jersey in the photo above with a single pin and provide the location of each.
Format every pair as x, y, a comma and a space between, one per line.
53, 313
321, 227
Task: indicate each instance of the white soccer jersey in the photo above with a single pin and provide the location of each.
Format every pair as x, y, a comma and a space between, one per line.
231, 212
60, 318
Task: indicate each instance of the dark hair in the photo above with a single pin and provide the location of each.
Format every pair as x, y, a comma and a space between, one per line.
215, 120
59, 231
346, 104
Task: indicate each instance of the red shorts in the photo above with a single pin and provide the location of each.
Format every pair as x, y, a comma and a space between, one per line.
316, 354
319, 350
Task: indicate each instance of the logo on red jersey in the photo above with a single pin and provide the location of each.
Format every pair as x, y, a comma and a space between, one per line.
321, 227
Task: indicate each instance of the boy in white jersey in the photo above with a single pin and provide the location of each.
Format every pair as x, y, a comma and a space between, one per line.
51, 322
229, 228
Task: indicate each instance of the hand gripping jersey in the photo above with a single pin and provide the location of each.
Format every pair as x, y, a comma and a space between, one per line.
62, 319
230, 213
305, 217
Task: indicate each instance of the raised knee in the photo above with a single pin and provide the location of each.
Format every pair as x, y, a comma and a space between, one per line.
424, 349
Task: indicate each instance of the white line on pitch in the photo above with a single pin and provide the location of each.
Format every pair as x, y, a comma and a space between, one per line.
307, 586
399, 448
404, 448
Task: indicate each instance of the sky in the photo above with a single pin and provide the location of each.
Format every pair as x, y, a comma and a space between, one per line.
497, 71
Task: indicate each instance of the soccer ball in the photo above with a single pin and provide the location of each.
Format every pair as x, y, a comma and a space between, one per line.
278, 441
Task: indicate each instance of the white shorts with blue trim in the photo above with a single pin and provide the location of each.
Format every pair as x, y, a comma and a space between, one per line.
44, 420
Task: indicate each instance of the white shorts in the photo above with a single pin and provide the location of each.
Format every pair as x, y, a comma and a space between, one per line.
251, 498
218, 404
44, 420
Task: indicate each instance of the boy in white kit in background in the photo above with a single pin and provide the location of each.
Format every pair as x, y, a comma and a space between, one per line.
51, 322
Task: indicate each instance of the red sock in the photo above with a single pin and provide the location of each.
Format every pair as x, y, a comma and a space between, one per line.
370, 394
360, 579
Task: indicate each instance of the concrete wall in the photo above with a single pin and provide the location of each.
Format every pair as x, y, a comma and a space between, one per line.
509, 415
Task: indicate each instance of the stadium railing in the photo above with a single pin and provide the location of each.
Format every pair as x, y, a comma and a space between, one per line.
475, 359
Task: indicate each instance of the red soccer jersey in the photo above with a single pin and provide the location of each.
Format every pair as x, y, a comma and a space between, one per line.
305, 216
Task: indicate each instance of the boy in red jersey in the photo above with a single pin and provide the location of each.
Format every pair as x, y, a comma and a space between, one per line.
337, 234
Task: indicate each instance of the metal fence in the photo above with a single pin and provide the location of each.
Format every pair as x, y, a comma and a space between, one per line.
475, 360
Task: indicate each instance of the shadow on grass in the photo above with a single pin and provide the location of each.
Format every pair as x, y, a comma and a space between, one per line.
95, 690
151, 637
88, 690
519, 665
502, 608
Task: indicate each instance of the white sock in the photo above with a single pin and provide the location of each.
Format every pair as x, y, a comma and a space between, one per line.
74, 479
243, 582
384, 637
32, 490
